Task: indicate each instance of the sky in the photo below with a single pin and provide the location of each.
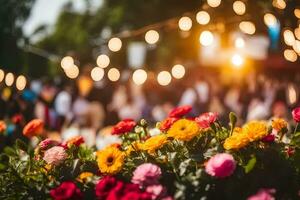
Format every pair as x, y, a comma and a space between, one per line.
47, 11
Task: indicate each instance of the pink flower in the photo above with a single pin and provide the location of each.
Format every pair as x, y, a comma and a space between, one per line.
180, 111
47, 143
157, 191
263, 194
55, 155
67, 190
269, 138
296, 114
206, 119
221, 165
146, 174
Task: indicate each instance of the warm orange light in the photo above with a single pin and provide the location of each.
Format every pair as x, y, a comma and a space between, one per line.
139, 76
213, 3
103, 61
21, 82
185, 23
115, 44
113, 74
239, 7
97, 73
178, 71
290, 55
164, 78
206, 38
151, 37
247, 27
203, 17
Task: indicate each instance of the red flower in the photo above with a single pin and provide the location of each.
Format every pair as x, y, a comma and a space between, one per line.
296, 114
167, 123
104, 186
137, 196
206, 119
289, 151
123, 126
269, 138
117, 192
66, 190
180, 111
77, 141
17, 118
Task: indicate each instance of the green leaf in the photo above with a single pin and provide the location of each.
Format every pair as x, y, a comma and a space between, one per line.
250, 165
183, 166
9, 151
21, 145
296, 139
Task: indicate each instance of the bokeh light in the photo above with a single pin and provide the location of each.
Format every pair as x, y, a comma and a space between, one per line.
288, 37
297, 13
279, 4
67, 62
2, 75
296, 46
103, 61
151, 37
247, 27
97, 73
270, 20
72, 72
9, 79
178, 71
239, 7
21, 82
203, 17
115, 44
297, 33
113, 74
139, 76
206, 38
164, 78
290, 55
239, 43
237, 60
185, 23
213, 3
292, 94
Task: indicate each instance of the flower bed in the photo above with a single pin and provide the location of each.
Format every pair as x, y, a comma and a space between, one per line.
191, 158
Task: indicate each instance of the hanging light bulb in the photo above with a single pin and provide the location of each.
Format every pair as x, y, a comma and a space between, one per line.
139, 76
178, 71
21, 82
239, 43
113, 74
239, 7
185, 23
97, 73
206, 38
67, 62
288, 37
247, 27
270, 20
203, 17
103, 61
164, 78
214, 3
72, 72
290, 55
115, 44
2, 75
9, 79
151, 37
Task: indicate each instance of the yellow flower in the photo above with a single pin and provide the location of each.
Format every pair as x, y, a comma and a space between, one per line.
237, 140
134, 146
155, 143
84, 176
110, 160
184, 130
279, 123
255, 130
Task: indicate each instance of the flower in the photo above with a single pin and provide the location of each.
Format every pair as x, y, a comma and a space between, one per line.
110, 160
255, 130
134, 195
104, 186
278, 124
66, 190
180, 111
184, 130
269, 138
206, 119
33, 128
157, 191
237, 140
55, 155
84, 176
263, 194
146, 174
17, 118
296, 114
154, 143
77, 141
47, 143
123, 127
167, 123
221, 165
134, 146
2, 126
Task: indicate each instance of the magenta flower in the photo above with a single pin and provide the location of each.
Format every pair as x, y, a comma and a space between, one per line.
206, 119
263, 194
221, 165
55, 155
66, 190
47, 143
146, 174
296, 114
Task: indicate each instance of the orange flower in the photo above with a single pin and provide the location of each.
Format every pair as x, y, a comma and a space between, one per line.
77, 141
33, 128
2, 126
279, 123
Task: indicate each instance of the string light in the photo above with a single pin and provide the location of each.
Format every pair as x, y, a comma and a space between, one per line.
247, 27
72, 72
270, 20
203, 17
67, 62
239, 7
151, 37
178, 71
9, 79
214, 3
21, 82
290, 55
297, 13
97, 73
296, 46
2, 74
139, 76
288, 37
115, 44
297, 33
164, 78
239, 43
206, 38
103, 61
237, 60
185, 23
279, 4
113, 74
